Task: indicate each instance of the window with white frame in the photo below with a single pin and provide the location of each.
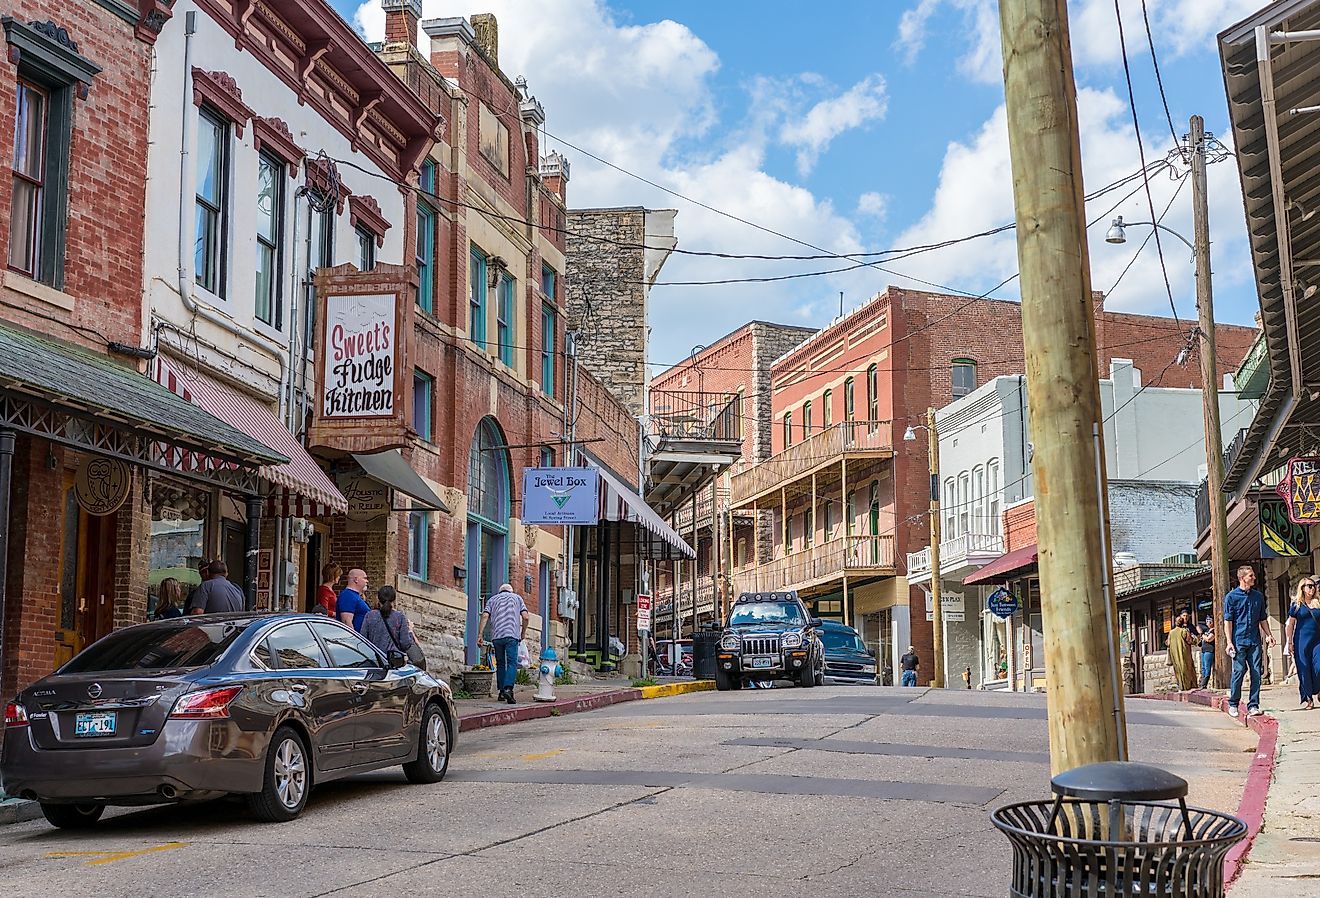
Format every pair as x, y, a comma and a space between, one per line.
978, 500
950, 512
994, 498
964, 502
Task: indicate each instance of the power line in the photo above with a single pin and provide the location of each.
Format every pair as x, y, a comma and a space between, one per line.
1159, 81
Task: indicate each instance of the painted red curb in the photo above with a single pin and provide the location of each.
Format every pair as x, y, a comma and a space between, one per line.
1256, 790
502, 716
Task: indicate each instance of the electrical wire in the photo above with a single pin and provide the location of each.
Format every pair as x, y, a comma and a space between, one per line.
1159, 81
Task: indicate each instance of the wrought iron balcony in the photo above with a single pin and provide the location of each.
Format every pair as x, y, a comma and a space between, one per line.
688, 415
821, 450
821, 563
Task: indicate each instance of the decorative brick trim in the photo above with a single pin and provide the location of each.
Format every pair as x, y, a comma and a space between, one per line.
273, 136
152, 16
365, 211
220, 90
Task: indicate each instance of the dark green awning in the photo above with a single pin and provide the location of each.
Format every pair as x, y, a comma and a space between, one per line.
74, 380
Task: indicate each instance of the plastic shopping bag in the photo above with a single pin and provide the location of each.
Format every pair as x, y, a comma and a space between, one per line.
524, 656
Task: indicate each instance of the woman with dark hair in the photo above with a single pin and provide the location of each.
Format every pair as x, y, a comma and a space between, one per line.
390, 630
325, 593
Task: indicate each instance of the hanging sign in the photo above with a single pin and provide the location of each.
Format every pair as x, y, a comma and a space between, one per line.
1300, 489
643, 613
1002, 603
102, 485
368, 500
953, 608
358, 364
561, 496
1279, 536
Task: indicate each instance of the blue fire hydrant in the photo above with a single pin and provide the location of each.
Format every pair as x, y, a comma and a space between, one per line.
549, 669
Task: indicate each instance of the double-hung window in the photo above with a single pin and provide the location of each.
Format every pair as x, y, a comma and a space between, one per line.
548, 325
366, 247
426, 241
547, 457
788, 429
548, 281
212, 231
419, 544
27, 215
849, 400
806, 420
423, 399
504, 306
477, 297
827, 409
872, 395
270, 240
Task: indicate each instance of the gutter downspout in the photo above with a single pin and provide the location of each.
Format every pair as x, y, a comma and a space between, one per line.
1265, 71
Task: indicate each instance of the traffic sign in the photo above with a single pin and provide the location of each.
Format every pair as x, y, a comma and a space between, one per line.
643, 613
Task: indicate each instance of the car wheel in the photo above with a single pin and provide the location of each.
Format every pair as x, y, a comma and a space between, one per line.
73, 816
807, 678
432, 748
724, 682
288, 779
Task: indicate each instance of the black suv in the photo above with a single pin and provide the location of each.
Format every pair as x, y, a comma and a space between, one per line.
769, 636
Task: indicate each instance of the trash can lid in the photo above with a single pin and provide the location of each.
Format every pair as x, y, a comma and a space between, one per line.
1123, 780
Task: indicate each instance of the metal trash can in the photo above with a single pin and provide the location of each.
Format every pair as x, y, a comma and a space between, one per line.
1117, 829
704, 644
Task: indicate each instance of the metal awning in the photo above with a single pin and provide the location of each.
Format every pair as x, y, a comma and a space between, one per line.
302, 488
680, 469
391, 469
78, 398
618, 502
1005, 567
1271, 64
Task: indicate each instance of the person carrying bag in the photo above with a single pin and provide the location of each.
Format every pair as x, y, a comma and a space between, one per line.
390, 630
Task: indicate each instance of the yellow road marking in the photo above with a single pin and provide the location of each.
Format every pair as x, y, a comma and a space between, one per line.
541, 756
106, 857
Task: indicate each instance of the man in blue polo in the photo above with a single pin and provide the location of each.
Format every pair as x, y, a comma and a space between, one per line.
1246, 625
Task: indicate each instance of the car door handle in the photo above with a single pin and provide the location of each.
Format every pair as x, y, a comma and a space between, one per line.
359, 688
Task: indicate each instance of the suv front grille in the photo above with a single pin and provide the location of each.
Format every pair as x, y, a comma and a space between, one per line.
760, 645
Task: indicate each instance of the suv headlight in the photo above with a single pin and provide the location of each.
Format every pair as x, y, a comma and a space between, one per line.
730, 643
792, 640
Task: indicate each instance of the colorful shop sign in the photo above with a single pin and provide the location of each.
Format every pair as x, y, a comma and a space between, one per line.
1300, 489
1279, 536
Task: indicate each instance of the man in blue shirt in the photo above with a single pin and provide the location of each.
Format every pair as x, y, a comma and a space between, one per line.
350, 607
1245, 626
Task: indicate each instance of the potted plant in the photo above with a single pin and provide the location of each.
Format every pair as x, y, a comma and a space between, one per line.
479, 680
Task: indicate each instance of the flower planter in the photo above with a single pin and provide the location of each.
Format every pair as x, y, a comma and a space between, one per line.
479, 683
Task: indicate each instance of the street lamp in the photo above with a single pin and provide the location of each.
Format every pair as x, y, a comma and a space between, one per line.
937, 616
1117, 233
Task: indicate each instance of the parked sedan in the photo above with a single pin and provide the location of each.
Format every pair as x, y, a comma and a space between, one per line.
847, 659
197, 707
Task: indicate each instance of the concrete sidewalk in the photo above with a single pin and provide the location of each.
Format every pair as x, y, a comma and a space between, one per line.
1285, 859
478, 713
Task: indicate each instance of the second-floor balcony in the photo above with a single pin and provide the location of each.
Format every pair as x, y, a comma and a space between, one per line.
823, 450
820, 564
958, 556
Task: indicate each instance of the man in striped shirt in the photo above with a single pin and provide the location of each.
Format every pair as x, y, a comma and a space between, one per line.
508, 617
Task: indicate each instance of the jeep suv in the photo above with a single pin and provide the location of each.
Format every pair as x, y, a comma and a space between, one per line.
769, 636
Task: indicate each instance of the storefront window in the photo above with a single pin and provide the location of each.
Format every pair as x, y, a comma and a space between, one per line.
178, 539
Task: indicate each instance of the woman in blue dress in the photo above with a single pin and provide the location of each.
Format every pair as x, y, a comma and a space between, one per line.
1303, 639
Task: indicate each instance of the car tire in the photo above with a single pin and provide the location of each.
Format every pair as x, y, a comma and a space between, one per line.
807, 678
725, 682
433, 745
288, 779
73, 816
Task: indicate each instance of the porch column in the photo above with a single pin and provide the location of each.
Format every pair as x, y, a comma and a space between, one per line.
250, 550
6, 480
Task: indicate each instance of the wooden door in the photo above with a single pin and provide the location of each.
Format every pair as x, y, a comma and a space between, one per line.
96, 576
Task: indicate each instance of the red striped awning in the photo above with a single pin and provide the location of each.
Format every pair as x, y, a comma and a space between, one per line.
618, 502
302, 488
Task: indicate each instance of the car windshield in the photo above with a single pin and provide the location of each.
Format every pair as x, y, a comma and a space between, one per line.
157, 648
766, 613
842, 641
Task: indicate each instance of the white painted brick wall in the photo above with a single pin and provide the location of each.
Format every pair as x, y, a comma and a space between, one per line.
1152, 519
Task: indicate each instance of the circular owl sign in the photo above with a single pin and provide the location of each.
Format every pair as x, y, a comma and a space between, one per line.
102, 485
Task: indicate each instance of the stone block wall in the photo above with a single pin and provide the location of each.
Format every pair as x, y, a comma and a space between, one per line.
1156, 674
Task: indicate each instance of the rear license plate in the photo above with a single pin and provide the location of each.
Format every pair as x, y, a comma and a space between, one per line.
97, 724
760, 662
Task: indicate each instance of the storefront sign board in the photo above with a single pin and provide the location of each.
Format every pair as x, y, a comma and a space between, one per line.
358, 366
953, 607
102, 485
1280, 537
1002, 603
561, 496
368, 501
1300, 489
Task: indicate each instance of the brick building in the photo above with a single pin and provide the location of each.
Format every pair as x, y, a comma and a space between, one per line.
847, 494
83, 436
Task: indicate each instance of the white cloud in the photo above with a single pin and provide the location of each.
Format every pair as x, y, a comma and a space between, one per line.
912, 28
864, 102
873, 204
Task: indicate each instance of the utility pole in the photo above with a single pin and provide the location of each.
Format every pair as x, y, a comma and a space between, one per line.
937, 613
1214, 445
1086, 723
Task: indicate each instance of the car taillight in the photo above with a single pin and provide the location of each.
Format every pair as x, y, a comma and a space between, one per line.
207, 705
15, 715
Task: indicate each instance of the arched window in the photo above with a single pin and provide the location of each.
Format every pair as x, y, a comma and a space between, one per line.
488, 476
806, 420
849, 402
489, 496
873, 394
827, 409
963, 377
788, 429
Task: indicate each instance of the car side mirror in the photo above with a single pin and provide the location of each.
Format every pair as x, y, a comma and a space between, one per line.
816, 622
396, 659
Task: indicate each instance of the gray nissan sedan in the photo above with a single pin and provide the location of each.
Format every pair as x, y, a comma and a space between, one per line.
193, 708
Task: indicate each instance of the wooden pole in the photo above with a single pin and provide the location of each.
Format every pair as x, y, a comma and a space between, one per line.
937, 613
1085, 715
1214, 444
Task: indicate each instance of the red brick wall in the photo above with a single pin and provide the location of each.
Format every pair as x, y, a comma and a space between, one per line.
32, 598
725, 367
1020, 526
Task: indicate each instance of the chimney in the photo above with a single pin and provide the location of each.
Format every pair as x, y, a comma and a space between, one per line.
488, 36
554, 172
401, 18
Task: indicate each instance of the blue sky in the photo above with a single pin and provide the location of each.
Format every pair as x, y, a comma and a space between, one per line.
857, 125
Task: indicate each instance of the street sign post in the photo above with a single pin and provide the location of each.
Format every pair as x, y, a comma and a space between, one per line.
643, 613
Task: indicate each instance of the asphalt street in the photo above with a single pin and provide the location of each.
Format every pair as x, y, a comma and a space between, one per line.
834, 791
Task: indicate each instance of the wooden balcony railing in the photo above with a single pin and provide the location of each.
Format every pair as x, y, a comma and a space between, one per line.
873, 438
871, 554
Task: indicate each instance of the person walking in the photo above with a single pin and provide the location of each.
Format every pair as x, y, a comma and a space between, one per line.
325, 593
217, 594
1207, 633
1246, 627
1302, 639
387, 629
1181, 643
910, 662
508, 618
350, 607
169, 599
